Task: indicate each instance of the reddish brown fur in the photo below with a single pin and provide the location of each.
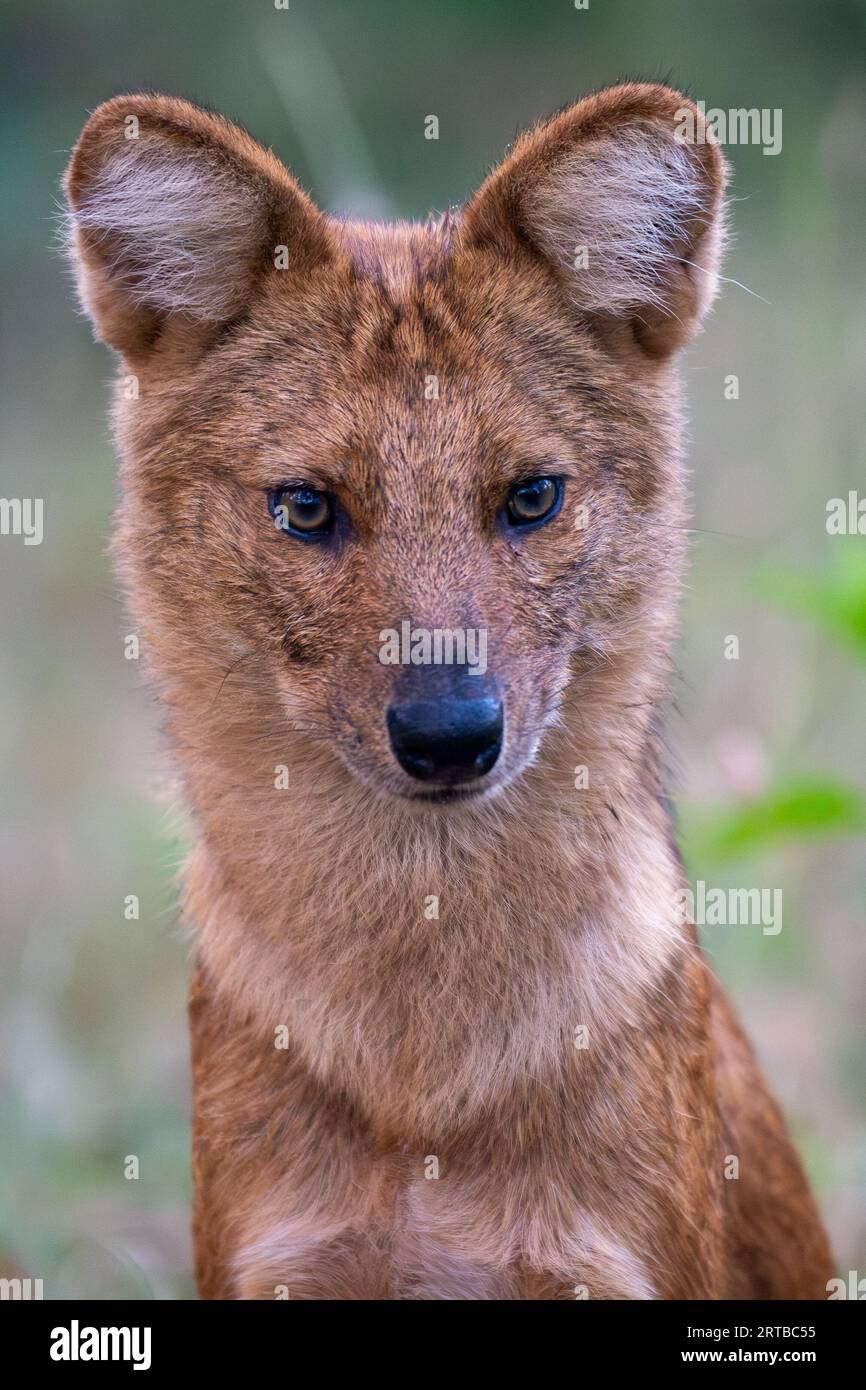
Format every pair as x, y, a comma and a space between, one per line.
600, 1167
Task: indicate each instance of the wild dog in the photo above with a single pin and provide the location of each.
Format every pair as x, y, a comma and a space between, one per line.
451, 1038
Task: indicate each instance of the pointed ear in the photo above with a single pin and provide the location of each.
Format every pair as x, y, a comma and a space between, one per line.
175, 216
622, 195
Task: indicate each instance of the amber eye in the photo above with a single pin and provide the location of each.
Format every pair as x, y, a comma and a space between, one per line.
301, 511
533, 502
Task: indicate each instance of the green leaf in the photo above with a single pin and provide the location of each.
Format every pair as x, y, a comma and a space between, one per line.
835, 600
801, 808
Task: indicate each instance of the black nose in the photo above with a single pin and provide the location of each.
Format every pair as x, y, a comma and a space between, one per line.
446, 740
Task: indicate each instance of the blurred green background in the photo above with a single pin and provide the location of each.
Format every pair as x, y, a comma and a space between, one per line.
768, 748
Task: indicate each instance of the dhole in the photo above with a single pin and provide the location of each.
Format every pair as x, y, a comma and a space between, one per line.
450, 1038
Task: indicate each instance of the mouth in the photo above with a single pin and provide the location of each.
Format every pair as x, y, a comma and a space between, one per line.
445, 795
451, 796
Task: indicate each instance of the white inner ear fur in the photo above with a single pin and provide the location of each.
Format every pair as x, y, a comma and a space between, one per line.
628, 200
178, 230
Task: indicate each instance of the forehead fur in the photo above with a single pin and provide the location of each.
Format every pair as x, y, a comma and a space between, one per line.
411, 356
399, 257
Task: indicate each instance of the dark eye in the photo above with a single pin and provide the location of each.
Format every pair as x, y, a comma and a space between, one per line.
533, 502
301, 511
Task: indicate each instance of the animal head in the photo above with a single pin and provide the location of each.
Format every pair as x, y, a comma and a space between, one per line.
394, 496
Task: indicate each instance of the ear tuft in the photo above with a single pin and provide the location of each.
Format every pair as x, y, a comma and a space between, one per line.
174, 231
627, 214
631, 204
176, 213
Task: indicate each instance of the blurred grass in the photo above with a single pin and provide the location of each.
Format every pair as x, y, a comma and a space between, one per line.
769, 747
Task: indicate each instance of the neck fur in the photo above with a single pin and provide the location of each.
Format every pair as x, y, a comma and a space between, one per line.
554, 907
